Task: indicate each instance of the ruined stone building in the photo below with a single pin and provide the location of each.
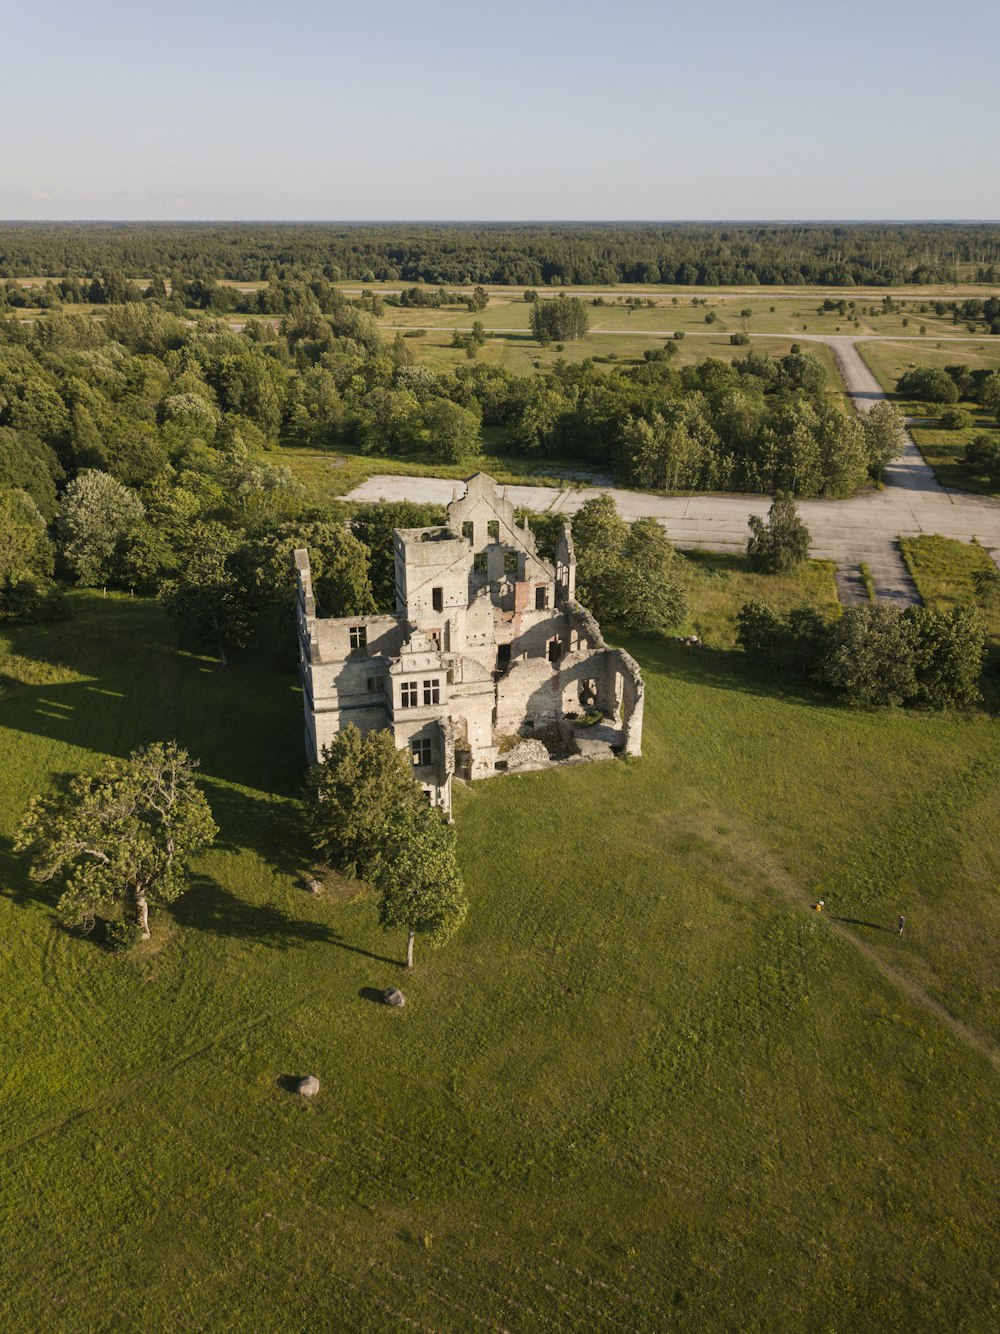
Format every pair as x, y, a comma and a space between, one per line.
487, 643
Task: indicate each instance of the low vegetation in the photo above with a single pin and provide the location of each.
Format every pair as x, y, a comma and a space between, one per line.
631, 1056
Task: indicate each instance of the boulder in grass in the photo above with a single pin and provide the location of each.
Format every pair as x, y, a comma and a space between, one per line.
394, 997
307, 1086
313, 885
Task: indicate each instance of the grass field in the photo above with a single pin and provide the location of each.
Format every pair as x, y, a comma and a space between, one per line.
521, 355
330, 473
645, 1088
941, 448
718, 585
697, 313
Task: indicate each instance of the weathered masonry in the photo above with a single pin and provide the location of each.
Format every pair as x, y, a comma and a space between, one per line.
487, 644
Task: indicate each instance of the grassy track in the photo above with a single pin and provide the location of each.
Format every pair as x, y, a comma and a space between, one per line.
645, 1088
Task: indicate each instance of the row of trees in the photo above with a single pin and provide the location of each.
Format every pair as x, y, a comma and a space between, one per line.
934, 384
511, 253
875, 654
121, 841
180, 416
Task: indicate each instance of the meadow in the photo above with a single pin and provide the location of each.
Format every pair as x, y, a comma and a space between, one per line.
646, 1087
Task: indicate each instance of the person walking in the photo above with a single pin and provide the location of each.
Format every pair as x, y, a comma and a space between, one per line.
901, 923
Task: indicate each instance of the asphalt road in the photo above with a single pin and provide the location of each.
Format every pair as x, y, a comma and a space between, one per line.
864, 528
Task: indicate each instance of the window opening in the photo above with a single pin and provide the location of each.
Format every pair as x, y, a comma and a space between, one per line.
408, 694
467, 531
510, 562
479, 563
376, 685
432, 692
555, 650
541, 597
359, 636
493, 529
437, 599
421, 752
503, 657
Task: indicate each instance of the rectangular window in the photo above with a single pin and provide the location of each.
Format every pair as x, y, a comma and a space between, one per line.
503, 657
409, 694
432, 692
493, 529
541, 597
359, 636
376, 685
510, 562
421, 752
479, 563
555, 650
437, 599
467, 530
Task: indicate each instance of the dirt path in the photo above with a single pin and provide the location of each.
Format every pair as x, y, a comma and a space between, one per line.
914, 992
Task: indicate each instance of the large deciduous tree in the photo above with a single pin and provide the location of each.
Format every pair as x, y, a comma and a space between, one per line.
782, 542
122, 837
563, 320
360, 786
206, 599
421, 890
97, 518
884, 433
631, 576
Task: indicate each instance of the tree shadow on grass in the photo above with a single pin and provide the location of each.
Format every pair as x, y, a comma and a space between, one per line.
209, 906
857, 921
15, 883
730, 670
272, 828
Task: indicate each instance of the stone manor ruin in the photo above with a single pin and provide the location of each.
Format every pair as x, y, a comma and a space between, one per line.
487, 646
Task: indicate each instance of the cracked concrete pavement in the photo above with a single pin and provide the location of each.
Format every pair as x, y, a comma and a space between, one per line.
864, 528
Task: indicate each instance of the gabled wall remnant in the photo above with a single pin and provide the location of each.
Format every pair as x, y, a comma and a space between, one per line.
487, 641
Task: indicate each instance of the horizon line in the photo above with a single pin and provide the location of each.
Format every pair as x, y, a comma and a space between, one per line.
502, 222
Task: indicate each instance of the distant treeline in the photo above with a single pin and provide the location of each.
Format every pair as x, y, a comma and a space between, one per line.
598, 254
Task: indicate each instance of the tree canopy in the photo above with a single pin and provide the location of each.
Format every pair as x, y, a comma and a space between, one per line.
627, 575
123, 836
782, 542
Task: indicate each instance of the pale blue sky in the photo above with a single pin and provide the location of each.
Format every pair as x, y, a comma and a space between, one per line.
525, 109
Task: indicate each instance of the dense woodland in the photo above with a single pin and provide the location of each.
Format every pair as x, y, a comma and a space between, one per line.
691, 254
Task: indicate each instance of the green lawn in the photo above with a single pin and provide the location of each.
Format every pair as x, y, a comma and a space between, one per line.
718, 585
941, 448
645, 1088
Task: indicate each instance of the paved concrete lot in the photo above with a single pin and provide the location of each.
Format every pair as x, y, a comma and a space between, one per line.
863, 528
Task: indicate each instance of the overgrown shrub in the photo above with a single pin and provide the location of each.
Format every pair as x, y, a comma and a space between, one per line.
955, 419
780, 544
121, 935
930, 384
